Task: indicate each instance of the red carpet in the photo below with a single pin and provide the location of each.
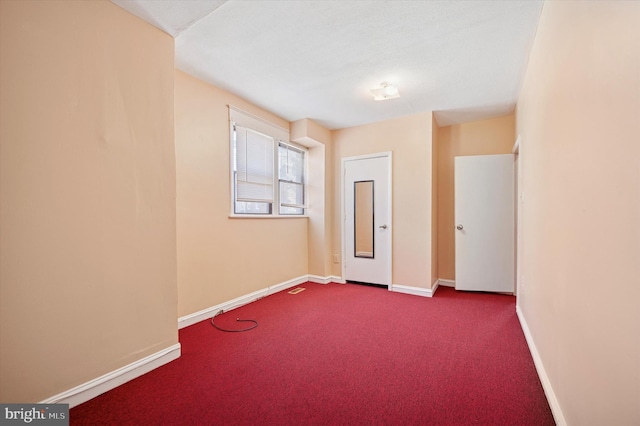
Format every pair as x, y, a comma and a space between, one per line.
342, 355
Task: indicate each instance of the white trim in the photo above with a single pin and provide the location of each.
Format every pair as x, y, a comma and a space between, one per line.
267, 216
546, 383
416, 291
446, 283
516, 146
343, 218
368, 156
319, 280
343, 160
102, 384
519, 215
232, 166
207, 313
287, 284
258, 124
326, 280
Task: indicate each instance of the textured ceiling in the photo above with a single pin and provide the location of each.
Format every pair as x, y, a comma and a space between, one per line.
465, 60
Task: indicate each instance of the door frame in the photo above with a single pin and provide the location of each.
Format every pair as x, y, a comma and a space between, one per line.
519, 199
343, 212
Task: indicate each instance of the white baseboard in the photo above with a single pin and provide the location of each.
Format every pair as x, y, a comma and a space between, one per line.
446, 283
416, 291
546, 383
319, 280
207, 313
287, 284
102, 384
326, 280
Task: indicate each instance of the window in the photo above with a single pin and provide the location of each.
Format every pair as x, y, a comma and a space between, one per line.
258, 149
291, 179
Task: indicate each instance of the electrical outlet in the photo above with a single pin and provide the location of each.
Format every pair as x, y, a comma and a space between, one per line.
336, 258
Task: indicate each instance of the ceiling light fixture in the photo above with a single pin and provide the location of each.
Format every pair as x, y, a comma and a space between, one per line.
385, 91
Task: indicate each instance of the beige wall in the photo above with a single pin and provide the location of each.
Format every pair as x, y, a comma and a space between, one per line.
315, 197
409, 138
221, 258
484, 137
435, 150
579, 118
88, 257
319, 193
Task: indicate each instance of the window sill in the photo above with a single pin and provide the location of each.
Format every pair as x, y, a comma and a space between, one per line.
265, 216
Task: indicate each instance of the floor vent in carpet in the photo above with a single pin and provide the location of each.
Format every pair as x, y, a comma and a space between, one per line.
297, 290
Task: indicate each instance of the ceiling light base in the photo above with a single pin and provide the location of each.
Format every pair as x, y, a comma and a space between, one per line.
385, 91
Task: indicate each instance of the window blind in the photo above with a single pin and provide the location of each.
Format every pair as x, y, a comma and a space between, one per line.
254, 165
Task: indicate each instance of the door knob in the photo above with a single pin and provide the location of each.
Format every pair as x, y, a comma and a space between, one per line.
382, 226
459, 227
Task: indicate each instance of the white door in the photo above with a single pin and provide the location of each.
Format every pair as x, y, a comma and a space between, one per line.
484, 219
366, 253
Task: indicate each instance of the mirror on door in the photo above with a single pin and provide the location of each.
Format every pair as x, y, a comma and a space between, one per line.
363, 219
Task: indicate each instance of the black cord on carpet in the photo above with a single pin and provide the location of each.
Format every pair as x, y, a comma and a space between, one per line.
255, 324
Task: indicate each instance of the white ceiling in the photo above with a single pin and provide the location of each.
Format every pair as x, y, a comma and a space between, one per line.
318, 59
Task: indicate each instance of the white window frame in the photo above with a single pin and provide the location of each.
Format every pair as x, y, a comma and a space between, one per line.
238, 117
303, 206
